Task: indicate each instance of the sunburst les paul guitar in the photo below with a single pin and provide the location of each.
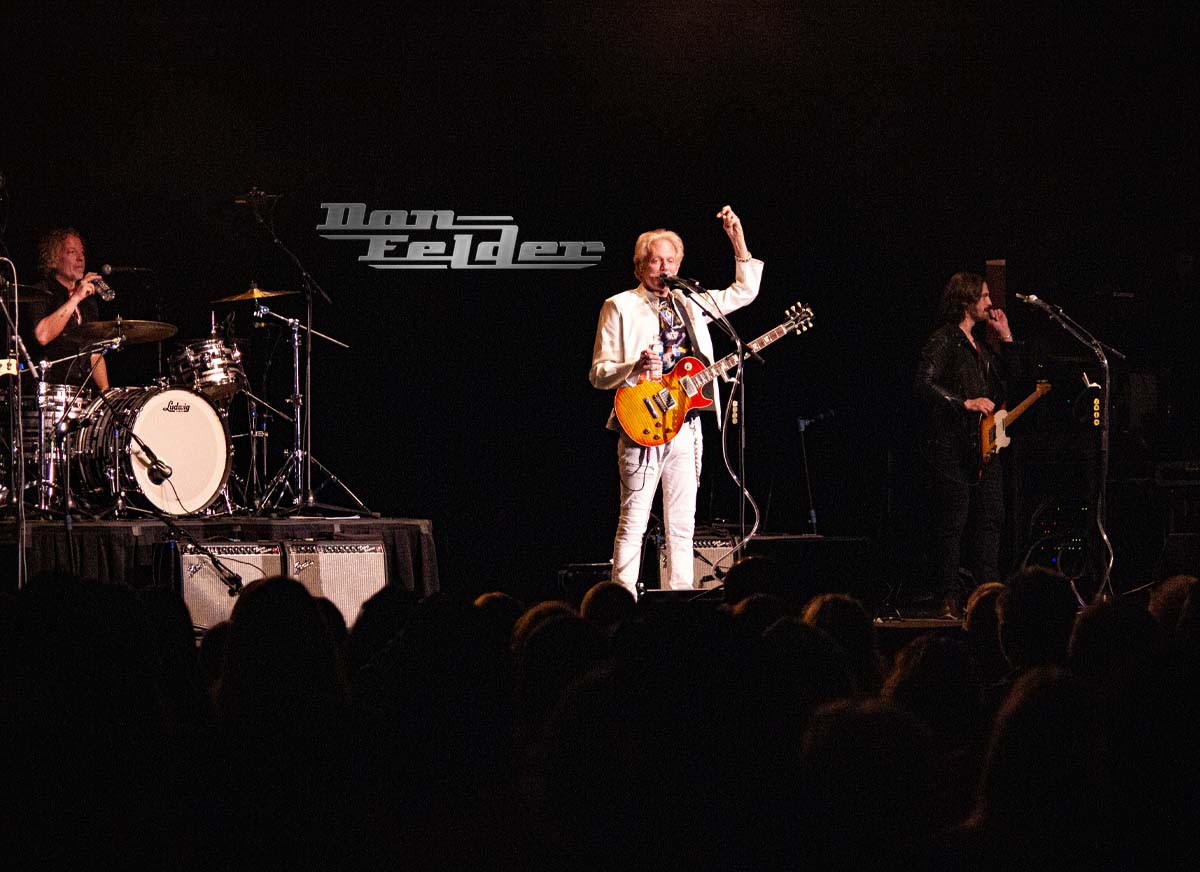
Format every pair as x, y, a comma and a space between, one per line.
652, 412
993, 433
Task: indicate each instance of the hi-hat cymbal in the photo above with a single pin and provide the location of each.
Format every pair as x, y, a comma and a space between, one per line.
131, 332
255, 293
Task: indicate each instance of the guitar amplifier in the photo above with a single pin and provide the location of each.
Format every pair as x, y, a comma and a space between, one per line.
807, 564
345, 573
711, 551
205, 594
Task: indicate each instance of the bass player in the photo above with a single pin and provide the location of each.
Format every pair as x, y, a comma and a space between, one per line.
963, 373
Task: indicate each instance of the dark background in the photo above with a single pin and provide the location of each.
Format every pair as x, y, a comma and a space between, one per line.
869, 153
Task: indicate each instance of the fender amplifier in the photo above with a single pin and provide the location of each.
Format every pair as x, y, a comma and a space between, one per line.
712, 555
205, 594
345, 573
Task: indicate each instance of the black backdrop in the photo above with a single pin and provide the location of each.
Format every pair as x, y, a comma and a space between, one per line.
870, 154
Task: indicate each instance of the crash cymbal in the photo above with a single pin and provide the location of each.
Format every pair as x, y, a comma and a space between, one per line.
131, 332
255, 293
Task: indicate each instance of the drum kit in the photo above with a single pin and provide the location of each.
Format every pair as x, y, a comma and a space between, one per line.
164, 448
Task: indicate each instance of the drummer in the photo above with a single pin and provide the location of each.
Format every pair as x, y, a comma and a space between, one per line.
66, 302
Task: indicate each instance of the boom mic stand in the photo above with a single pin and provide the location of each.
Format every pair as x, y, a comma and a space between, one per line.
229, 578
305, 498
713, 311
1072, 327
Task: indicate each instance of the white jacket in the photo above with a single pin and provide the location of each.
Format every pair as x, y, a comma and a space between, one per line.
629, 324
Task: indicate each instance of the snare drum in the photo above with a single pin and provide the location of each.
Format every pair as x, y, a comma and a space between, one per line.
211, 366
179, 425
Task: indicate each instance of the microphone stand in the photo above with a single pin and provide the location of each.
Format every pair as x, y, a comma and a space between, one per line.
713, 311
804, 424
305, 499
229, 578
15, 406
1072, 327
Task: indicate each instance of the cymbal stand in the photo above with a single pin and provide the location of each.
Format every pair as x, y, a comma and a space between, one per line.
300, 459
302, 455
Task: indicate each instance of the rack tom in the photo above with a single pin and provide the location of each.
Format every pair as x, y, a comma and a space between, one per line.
211, 366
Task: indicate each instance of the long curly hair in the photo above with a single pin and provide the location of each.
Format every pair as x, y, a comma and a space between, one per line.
963, 290
50, 246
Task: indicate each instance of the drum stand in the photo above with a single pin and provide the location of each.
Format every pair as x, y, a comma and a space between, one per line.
252, 489
53, 447
299, 461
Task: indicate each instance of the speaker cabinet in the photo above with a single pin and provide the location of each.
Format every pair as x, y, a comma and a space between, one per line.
205, 594
711, 556
808, 564
345, 573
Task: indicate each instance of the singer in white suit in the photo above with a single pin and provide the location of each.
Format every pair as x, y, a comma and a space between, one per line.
641, 334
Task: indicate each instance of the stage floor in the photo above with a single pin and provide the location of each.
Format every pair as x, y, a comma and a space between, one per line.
126, 550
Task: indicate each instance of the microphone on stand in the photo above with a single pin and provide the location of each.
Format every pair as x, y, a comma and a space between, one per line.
254, 197
1035, 300
803, 422
681, 283
159, 472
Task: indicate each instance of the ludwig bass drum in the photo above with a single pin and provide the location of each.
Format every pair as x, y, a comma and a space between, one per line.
181, 428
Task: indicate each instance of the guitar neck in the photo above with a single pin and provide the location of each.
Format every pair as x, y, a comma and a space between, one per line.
1020, 408
729, 361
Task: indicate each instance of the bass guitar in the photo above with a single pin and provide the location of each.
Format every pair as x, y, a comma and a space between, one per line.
652, 412
993, 428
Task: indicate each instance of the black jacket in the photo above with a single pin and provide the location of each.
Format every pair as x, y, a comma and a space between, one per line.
949, 372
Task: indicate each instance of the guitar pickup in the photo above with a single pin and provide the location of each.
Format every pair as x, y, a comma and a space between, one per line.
665, 400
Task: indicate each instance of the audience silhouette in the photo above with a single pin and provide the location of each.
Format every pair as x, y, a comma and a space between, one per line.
757, 732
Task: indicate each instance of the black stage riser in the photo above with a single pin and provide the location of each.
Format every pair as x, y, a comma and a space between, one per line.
130, 552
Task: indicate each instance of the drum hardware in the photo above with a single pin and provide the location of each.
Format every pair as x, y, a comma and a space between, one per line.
302, 454
297, 467
66, 405
257, 432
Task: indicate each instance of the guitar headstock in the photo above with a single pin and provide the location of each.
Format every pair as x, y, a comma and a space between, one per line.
799, 317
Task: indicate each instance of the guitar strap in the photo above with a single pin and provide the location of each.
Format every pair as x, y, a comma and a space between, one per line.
709, 389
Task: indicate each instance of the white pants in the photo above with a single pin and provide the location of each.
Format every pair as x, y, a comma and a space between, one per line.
677, 466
